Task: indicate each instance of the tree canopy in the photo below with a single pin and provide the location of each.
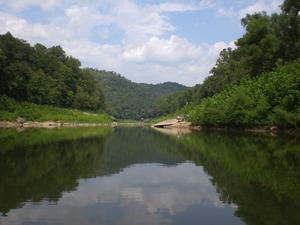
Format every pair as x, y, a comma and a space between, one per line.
45, 76
128, 100
268, 40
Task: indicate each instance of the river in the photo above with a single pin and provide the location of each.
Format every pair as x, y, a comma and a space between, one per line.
128, 176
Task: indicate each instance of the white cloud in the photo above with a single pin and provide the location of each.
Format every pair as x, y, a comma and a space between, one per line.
96, 55
139, 23
176, 7
21, 4
149, 50
158, 60
269, 6
157, 50
240, 9
21, 27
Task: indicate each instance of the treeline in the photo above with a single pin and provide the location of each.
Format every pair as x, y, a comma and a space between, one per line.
271, 99
269, 40
45, 76
129, 100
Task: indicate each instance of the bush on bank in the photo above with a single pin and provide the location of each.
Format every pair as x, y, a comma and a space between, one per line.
270, 99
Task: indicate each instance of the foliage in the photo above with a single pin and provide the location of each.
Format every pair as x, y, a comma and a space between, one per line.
45, 76
167, 104
267, 41
273, 98
10, 110
129, 100
183, 112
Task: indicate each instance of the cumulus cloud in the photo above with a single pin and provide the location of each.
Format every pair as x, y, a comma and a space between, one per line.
174, 49
21, 4
21, 27
241, 8
177, 7
144, 55
149, 50
139, 22
269, 6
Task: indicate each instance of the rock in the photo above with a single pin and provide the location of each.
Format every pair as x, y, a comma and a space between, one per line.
29, 124
274, 129
165, 123
8, 124
20, 129
20, 120
48, 124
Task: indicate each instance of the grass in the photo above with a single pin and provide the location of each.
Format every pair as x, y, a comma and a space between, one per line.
10, 110
179, 112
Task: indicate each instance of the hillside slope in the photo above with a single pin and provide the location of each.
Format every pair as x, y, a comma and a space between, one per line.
126, 99
270, 45
45, 76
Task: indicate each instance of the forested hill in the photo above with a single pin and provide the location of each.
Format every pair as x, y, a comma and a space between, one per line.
128, 100
45, 76
255, 84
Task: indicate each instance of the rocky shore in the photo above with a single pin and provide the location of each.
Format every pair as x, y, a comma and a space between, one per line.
22, 123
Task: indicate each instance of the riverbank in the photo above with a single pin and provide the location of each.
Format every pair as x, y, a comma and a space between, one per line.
271, 130
21, 123
50, 124
175, 124
14, 114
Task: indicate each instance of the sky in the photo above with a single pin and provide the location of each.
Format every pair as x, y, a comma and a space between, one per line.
147, 41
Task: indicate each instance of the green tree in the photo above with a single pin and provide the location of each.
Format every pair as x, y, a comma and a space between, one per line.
46, 76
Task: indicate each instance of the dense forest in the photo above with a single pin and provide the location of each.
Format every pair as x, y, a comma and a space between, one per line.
258, 81
45, 76
270, 99
128, 100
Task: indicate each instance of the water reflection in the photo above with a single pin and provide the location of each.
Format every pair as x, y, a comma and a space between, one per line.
139, 176
135, 196
261, 175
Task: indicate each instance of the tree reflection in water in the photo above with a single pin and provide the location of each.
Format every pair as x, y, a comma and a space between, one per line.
258, 176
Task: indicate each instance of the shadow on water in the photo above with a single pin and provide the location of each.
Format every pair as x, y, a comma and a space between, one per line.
259, 174
199, 177
41, 164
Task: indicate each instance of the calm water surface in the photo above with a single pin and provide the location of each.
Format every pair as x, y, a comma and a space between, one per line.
140, 176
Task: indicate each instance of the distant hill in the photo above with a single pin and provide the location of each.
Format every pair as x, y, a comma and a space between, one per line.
125, 99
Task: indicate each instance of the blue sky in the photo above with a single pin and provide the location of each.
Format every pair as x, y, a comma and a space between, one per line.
149, 41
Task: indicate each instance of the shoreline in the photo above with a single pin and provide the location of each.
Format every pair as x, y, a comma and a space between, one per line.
271, 130
60, 124
264, 129
51, 124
